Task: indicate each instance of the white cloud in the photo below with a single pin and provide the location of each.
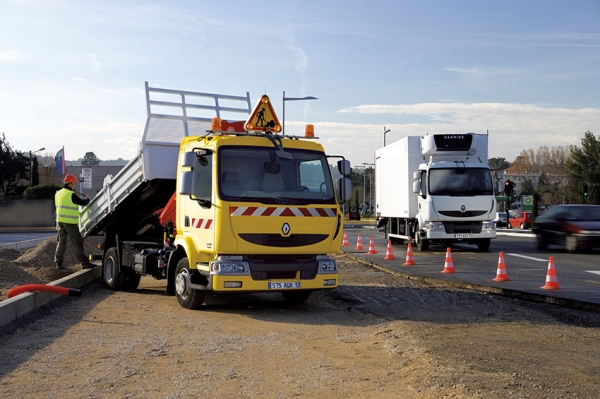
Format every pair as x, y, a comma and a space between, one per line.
512, 127
11, 56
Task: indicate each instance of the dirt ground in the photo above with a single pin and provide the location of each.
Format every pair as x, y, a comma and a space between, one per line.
375, 336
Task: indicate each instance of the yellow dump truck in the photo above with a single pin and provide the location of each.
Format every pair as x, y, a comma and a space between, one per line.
221, 205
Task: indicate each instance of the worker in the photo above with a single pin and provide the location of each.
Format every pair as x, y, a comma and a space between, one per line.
67, 219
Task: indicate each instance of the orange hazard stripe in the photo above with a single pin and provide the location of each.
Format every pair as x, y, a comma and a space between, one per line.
281, 211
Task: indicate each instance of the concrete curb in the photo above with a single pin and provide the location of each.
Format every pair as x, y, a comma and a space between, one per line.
13, 308
23, 244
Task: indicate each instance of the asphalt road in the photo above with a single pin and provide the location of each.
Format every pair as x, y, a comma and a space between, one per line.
578, 274
8, 236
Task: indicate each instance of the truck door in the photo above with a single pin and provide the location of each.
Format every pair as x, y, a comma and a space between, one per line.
198, 210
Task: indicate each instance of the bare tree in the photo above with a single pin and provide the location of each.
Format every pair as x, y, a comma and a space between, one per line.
551, 162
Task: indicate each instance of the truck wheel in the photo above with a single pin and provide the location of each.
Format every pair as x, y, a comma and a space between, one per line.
483, 245
296, 297
387, 234
132, 281
522, 226
111, 273
422, 245
186, 296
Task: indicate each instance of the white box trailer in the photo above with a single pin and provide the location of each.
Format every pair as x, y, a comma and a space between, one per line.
395, 165
436, 189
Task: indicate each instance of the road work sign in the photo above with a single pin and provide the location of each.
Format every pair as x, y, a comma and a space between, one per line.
263, 118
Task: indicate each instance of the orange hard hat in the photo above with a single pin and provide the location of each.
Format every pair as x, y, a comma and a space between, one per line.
70, 179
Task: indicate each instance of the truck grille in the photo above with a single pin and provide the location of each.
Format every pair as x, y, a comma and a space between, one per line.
459, 214
276, 240
273, 267
462, 227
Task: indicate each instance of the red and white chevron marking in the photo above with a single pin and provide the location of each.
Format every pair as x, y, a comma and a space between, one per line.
206, 224
281, 211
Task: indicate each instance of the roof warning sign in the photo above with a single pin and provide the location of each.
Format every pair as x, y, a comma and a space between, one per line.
263, 118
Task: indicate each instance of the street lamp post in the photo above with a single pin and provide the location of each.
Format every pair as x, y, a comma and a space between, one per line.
31, 165
292, 99
384, 132
365, 164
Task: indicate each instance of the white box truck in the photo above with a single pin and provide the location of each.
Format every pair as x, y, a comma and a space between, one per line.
436, 189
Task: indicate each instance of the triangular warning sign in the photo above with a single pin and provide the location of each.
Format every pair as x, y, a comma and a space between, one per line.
263, 118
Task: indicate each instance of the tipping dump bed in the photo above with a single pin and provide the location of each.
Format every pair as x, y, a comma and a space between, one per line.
127, 201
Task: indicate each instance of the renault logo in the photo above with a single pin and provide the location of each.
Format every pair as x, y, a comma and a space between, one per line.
463, 208
285, 229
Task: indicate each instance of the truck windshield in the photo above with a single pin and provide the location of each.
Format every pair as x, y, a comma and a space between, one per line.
255, 174
460, 181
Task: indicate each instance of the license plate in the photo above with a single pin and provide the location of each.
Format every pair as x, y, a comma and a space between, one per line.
284, 286
463, 235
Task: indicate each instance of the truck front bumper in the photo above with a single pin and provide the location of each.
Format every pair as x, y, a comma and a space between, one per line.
234, 274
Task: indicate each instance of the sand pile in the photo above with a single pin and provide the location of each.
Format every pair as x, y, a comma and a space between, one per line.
36, 265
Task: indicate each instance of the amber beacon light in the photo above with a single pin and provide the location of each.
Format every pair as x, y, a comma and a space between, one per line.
309, 131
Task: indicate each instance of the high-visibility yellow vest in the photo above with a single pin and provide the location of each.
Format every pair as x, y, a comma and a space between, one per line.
66, 210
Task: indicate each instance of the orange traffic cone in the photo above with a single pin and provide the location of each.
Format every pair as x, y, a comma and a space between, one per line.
359, 243
551, 280
501, 273
372, 247
388, 253
448, 265
409, 256
345, 240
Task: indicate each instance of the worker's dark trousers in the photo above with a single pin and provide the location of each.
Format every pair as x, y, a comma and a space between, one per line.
72, 231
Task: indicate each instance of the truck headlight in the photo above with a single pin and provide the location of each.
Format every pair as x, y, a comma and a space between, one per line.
228, 267
327, 266
435, 226
488, 225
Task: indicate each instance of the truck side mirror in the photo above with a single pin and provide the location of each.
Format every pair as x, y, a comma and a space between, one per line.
188, 159
186, 180
416, 187
345, 189
344, 167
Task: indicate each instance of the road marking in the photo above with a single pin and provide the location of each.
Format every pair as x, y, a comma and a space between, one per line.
593, 271
528, 257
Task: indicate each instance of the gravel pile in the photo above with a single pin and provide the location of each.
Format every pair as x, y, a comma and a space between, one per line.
36, 265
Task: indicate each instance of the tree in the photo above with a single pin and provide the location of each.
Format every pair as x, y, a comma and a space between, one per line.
498, 163
13, 166
527, 187
583, 168
90, 159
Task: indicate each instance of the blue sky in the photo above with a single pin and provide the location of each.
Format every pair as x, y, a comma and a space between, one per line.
72, 73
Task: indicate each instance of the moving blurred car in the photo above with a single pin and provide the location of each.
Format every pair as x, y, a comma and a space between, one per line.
521, 220
574, 226
500, 220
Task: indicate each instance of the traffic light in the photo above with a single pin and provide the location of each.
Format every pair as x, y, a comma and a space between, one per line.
585, 189
508, 187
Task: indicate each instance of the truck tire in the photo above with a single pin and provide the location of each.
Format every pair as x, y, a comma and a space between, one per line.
296, 297
111, 274
483, 245
421, 244
132, 281
187, 297
393, 240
